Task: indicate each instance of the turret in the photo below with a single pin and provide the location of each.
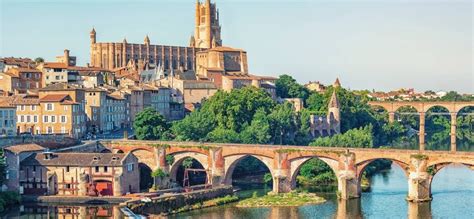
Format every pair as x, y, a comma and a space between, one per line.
147, 40
337, 83
66, 57
93, 36
334, 111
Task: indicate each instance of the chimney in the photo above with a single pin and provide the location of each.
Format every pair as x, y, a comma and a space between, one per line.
48, 155
66, 57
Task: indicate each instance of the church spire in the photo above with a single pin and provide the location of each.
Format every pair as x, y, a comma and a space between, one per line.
147, 40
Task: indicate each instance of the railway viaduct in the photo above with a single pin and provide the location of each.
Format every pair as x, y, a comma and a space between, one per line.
284, 162
422, 108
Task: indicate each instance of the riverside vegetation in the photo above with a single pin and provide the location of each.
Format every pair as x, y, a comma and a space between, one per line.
286, 200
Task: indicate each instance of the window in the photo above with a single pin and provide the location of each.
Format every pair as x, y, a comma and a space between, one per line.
63, 119
49, 107
130, 167
50, 130
106, 169
22, 107
28, 119
45, 119
63, 130
53, 119
22, 118
35, 119
33, 107
96, 169
67, 186
67, 169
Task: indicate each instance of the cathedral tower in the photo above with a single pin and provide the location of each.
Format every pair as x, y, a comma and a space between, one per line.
93, 36
207, 33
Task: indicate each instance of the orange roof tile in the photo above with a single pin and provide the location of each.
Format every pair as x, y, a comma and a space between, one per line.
54, 98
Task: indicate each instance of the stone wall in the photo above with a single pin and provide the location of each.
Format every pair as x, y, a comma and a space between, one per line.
166, 204
49, 141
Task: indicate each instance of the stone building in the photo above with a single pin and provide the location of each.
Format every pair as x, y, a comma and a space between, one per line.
79, 174
14, 155
7, 117
20, 80
329, 124
64, 70
8, 63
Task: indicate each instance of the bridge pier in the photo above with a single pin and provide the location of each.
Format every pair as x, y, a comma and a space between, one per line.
348, 186
453, 131
348, 183
422, 131
419, 180
217, 175
391, 117
419, 187
282, 175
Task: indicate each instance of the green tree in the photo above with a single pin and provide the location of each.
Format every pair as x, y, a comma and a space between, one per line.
287, 87
221, 135
283, 123
195, 126
150, 125
359, 137
39, 60
158, 174
3, 166
258, 132
187, 163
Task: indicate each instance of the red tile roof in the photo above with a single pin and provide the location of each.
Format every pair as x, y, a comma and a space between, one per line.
55, 98
16, 149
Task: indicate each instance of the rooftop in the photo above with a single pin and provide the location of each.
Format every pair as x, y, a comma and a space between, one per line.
76, 159
16, 149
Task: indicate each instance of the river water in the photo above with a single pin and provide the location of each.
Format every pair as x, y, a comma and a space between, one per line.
453, 197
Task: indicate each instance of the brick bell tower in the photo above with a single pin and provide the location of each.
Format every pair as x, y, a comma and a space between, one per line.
207, 33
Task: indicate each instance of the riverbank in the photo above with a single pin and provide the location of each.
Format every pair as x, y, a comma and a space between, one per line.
173, 203
291, 199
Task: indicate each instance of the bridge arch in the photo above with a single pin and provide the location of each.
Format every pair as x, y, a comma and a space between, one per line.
144, 156
179, 157
231, 162
297, 163
361, 166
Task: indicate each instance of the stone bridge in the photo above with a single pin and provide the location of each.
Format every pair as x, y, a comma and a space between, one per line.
421, 108
284, 162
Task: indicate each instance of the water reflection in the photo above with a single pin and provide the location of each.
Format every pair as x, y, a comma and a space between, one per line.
64, 211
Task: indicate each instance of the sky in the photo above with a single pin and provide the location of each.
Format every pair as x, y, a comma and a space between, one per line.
369, 44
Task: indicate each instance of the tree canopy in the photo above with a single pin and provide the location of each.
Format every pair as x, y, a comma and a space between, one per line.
150, 125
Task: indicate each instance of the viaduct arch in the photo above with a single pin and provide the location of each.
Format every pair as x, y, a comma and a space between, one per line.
421, 108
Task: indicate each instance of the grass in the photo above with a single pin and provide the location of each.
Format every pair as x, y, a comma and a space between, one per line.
209, 203
285, 199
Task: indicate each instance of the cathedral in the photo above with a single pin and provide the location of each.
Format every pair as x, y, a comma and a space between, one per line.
207, 35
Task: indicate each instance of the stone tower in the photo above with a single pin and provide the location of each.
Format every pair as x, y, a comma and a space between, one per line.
93, 36
334, 114
207, 33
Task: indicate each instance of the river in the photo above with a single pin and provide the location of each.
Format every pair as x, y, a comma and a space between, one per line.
453, 197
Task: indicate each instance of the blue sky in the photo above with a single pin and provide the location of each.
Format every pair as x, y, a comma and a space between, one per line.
369, 44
